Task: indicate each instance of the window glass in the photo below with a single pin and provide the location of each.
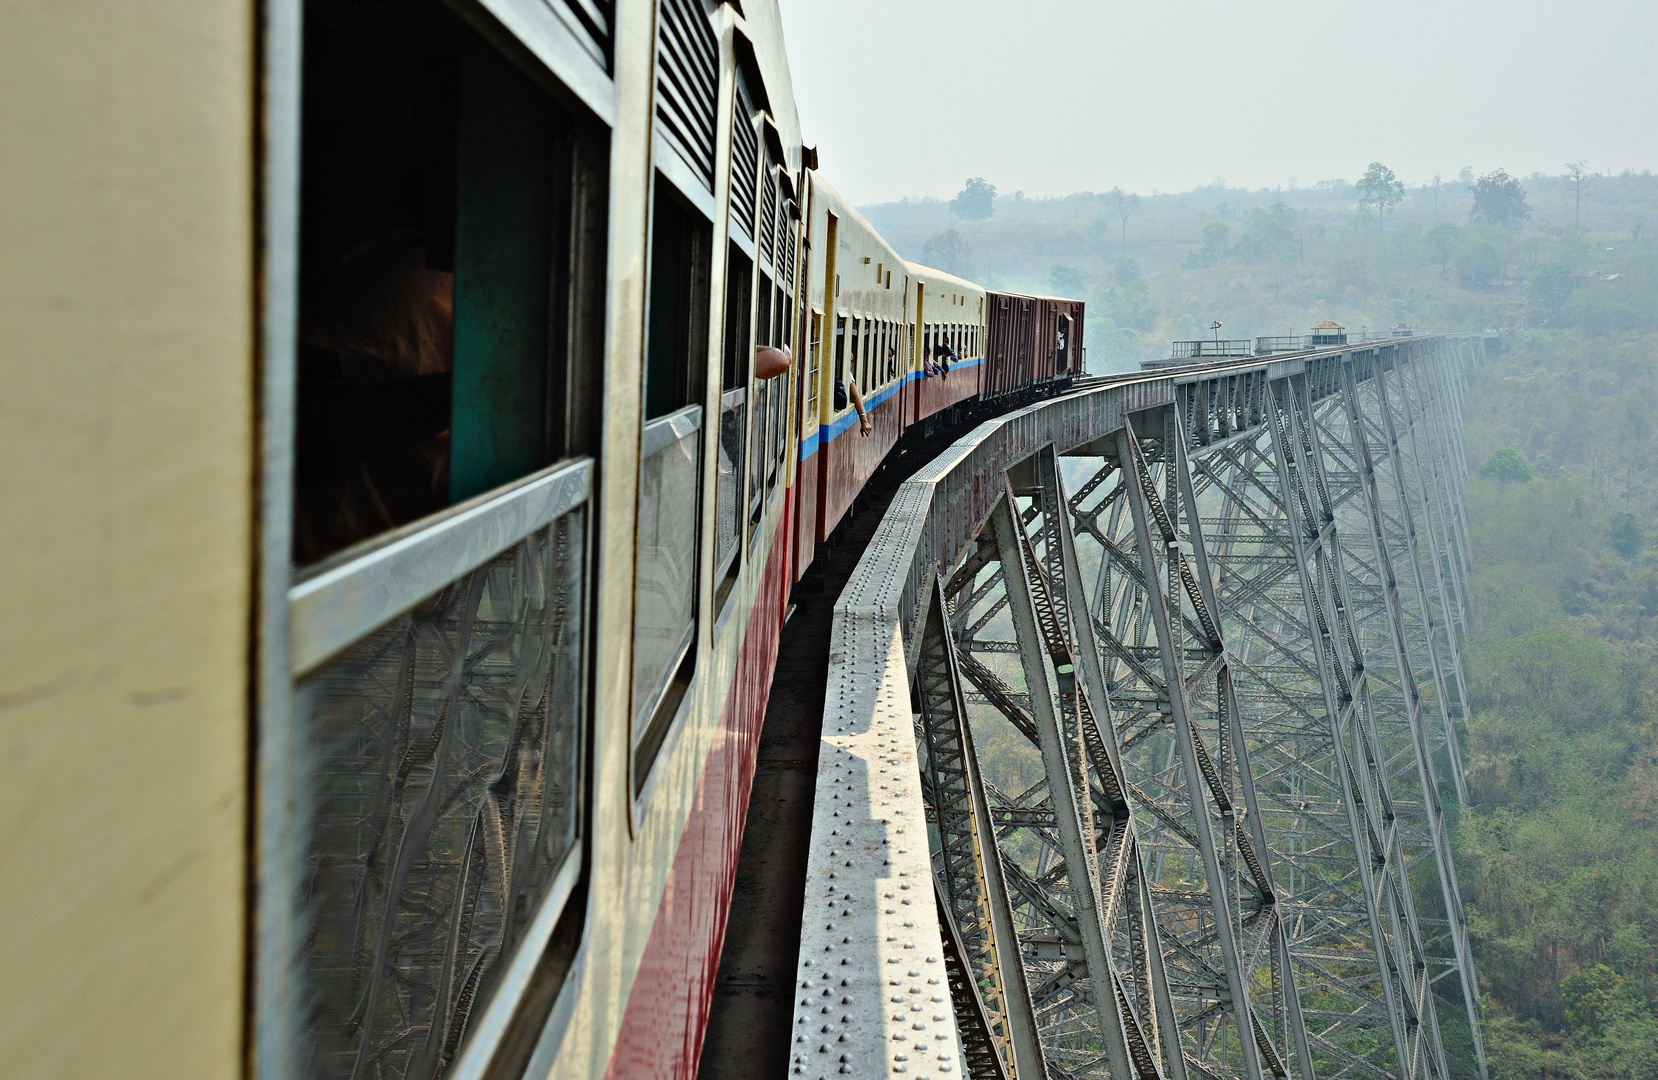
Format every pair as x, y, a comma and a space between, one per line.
449, 290
665, 587
739, 283
438, 180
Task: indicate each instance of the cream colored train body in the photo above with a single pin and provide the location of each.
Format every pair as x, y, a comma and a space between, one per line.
397, 539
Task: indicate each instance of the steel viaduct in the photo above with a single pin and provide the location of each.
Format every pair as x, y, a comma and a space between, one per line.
1138, 715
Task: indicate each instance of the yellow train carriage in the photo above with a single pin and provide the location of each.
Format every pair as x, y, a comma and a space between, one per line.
858, 291
949, 334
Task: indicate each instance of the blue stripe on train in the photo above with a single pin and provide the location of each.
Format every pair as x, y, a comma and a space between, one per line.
827, 433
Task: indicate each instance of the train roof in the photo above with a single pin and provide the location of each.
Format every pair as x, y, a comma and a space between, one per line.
934, 276
1037, 296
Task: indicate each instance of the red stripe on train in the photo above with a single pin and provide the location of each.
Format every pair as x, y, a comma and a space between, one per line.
667, 1010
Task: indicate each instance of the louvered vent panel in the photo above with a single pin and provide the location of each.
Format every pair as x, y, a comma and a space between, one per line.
768, 220
745, 163
592, 22
687, 77
787, 254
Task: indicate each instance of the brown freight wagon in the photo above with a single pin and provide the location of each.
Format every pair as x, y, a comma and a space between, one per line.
1030, 341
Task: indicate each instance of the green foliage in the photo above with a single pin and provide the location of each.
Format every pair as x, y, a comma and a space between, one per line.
1506, 466
1298, 256
1547, 291
949, 251
976, 201
1442, 238
1067, 280
1624, 535
1499, 200
1593, 997
1379, 190
1270, 234
1478, 262
1558, 853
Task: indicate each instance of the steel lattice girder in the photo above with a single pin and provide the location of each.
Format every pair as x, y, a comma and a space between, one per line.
1182, 704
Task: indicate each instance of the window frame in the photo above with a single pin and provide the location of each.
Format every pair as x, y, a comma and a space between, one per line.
304, 601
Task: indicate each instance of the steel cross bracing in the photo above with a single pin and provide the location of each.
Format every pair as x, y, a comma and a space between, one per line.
1186, 685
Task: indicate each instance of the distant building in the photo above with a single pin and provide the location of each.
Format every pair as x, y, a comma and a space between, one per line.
1328, 333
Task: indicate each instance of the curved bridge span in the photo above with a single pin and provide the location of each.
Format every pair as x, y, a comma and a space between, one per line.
1141, 708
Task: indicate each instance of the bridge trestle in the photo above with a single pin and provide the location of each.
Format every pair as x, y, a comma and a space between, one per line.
1185, 678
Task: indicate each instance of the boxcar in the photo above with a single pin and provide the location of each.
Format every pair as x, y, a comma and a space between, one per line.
1031, 342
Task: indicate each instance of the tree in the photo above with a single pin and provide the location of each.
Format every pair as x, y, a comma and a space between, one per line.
1506, 466
1478, 263
1547, 291
1499, 200
1126, 204
950, 252
1379, 190
1579, 181
1214, 233
1067, 280
1271, 233
1624, 534
1443, 239
1593, 997
1436, 183
975, 202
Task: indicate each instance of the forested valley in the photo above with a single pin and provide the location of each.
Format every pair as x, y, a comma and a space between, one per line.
1558, 850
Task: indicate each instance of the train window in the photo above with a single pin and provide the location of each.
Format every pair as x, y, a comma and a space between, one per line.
857, 354
665, 588
765, 400
840, 399
814, 358
866, 370
436, 234
728, 492
451, 311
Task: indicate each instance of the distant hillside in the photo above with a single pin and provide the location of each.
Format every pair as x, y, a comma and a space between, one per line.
1278, 261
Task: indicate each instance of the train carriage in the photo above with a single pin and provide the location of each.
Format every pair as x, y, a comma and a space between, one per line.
425, 556
949, 331
859, 305
1031, 342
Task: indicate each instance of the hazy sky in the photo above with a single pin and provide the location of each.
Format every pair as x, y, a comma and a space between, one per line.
910, 97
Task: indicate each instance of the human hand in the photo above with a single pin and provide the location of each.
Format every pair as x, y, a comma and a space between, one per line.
865, 426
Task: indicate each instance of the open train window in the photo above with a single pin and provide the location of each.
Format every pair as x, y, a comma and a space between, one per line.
451, 289
814, 359
733, 444
670, 471
839, 401
447, 269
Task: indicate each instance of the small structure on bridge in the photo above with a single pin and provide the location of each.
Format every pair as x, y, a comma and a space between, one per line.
1328, 334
